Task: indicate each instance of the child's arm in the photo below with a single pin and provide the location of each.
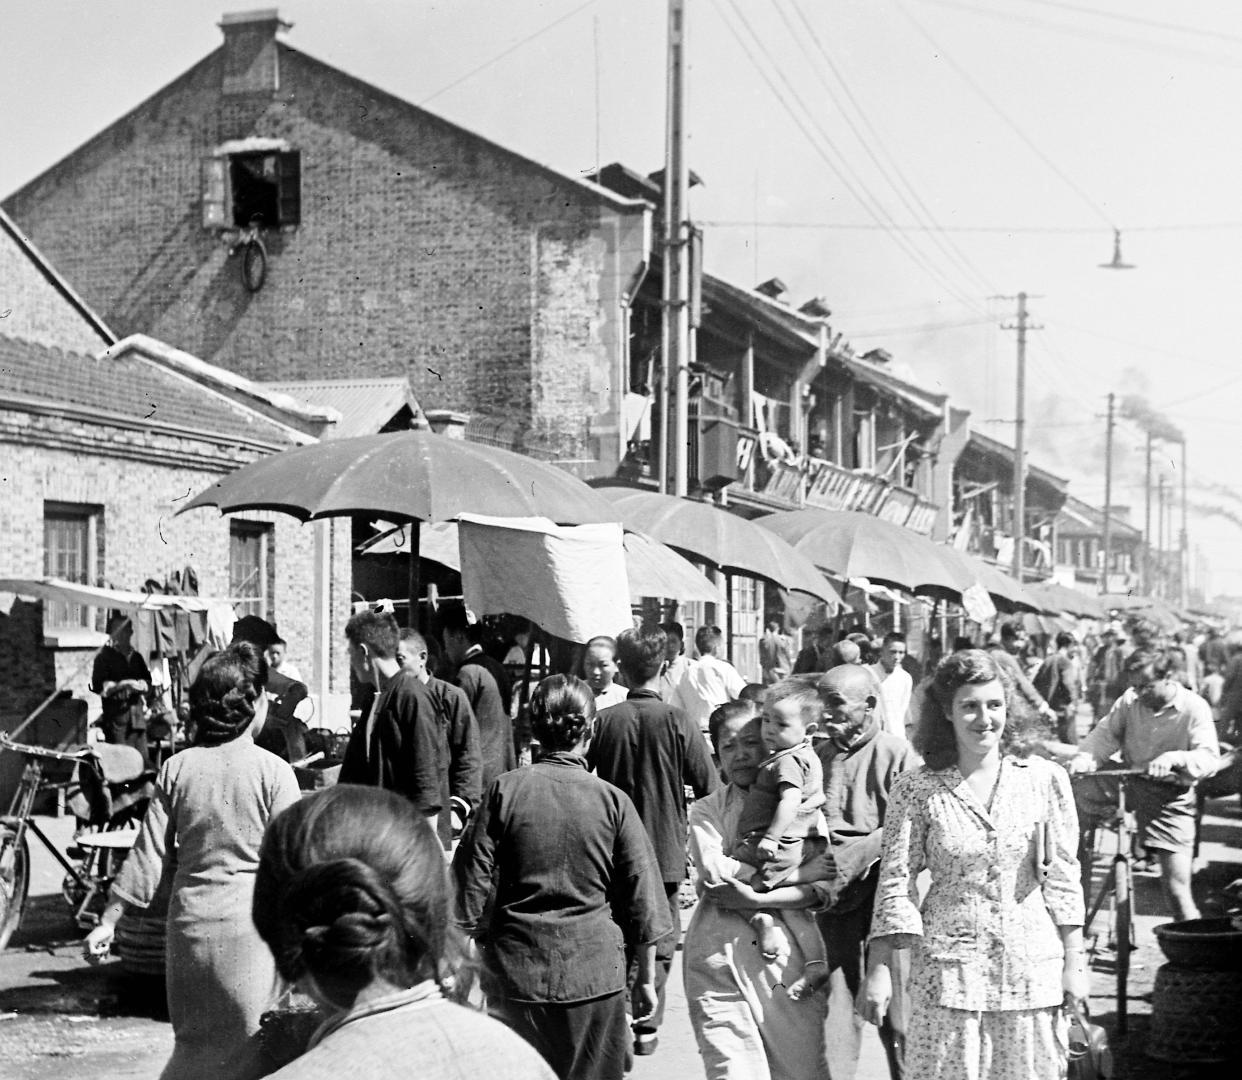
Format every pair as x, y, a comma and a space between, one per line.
789, 800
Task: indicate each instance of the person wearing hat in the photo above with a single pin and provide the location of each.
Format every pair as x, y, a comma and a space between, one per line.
290, 708
1108, 669
121, 678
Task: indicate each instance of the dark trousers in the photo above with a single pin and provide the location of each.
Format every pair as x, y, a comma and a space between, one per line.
666, 949
585, 1040
1067, 724
845, 938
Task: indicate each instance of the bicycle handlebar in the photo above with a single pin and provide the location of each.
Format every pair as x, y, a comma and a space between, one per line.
6, 743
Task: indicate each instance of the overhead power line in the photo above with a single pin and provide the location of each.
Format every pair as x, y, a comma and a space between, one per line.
915, 227
1138, 20
1010, 123
1163, 46
506, 52
820, 142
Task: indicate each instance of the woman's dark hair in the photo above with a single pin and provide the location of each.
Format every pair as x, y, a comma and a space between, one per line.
224, 696
562, 712
730, 710
352, 886
934, 737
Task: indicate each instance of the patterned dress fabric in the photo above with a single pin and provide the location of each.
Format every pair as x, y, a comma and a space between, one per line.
987, 955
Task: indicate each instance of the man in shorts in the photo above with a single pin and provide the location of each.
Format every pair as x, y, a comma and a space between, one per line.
1166, 730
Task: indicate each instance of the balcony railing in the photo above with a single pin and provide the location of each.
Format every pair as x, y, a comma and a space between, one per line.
819, 483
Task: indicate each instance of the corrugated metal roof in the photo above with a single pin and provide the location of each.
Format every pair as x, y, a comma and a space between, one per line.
365, 405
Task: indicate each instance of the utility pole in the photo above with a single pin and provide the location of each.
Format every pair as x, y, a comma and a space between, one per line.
1160, 563
676, 324
1108, 494
1019, 440
1183, 544
1147, 561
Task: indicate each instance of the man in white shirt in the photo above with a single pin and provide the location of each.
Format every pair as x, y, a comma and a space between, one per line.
677, 663
710, 682
1164, 729
896, 686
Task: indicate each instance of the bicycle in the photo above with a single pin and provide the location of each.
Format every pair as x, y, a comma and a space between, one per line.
1118, 883
109, 788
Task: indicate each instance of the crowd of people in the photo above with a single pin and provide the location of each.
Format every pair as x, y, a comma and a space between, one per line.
495, 884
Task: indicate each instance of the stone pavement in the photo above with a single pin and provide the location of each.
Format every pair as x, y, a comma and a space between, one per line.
57, 1013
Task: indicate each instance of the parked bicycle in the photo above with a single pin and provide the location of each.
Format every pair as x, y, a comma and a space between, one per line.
108, 788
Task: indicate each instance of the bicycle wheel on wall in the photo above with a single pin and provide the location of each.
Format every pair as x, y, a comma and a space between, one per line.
14, 882
1124, 894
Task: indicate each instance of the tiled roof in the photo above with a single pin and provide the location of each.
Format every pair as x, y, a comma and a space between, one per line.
365, 405
989, 445
131, 386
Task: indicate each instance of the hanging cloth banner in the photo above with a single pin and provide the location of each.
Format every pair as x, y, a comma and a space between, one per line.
978, 604
570, 580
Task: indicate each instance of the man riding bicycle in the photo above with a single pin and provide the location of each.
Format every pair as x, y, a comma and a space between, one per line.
1163, 728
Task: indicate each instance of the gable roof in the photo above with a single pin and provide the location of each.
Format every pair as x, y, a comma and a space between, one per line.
144, 383
1077, 518
993, 447
29, 282
365, 405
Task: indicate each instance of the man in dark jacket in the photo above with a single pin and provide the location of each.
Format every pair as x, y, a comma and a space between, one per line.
395, 746
487, 687
458, 734
651, 751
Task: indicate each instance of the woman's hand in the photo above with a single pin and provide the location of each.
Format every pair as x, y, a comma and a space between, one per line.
875, 994
733, 895
98, 943
1074, 979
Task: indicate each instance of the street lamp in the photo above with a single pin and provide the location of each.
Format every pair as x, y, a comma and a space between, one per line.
1118, 263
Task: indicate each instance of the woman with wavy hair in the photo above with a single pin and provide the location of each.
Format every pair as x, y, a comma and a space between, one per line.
554, 876
352, 899
997, 940
204, 826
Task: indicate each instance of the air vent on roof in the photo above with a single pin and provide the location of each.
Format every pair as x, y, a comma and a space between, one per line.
816, 308
878, 356
773, 287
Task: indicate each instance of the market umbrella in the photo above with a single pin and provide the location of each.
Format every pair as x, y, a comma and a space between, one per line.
1007, 592
708, 533
850, 544
1056, 597
653, 569
414, 476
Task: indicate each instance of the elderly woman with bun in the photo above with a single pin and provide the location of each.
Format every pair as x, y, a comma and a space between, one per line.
206, 821
352, 899
555, 875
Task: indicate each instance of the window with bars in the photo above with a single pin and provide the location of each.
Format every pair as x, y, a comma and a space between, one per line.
252, 568
72, 551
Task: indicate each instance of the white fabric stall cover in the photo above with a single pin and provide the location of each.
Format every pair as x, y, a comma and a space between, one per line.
570, 580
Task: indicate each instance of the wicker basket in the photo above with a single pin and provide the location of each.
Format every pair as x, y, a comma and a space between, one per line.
1194, 1016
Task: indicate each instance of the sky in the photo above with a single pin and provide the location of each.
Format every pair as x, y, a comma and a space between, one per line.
916, 163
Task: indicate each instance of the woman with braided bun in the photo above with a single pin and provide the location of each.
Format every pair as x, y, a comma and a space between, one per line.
554, 876
352, 899
212, 803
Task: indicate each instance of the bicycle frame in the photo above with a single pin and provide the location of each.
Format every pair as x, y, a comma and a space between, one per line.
20, 817
1118, 882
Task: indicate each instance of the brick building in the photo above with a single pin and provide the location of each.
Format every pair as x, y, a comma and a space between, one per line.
99, 442
397, 244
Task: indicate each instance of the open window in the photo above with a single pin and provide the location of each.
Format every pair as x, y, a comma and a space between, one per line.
252, 180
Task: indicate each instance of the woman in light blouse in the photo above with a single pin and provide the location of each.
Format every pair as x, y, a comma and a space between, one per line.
997, 940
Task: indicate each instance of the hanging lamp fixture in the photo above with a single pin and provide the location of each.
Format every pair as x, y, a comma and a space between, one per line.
1118, 263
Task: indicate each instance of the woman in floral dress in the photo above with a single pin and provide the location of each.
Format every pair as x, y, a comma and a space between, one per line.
997, 940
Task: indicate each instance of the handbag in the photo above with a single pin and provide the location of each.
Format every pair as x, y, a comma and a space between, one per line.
1090, 1057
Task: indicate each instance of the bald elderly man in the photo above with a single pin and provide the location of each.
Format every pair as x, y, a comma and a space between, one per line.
860, 762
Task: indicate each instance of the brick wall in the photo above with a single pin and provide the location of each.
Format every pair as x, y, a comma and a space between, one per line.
423, 250
49, 458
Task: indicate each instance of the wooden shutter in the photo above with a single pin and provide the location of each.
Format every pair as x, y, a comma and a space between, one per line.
215, 192
289, 175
